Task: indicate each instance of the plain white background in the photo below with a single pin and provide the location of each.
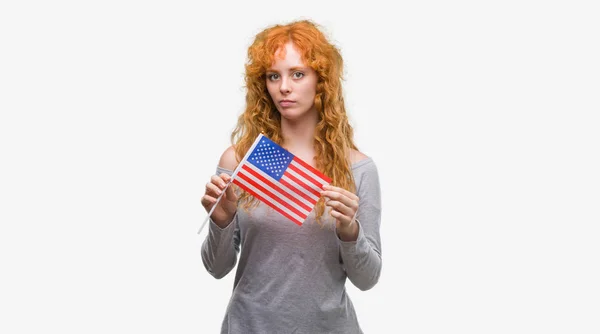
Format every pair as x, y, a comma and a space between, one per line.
481, 116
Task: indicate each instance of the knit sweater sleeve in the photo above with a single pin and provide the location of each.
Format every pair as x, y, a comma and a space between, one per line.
221, 245
362, 258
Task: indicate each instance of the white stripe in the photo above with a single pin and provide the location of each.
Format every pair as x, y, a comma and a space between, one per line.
297, 186
303, 179
273, 191
309, 173
269, 200
281, 186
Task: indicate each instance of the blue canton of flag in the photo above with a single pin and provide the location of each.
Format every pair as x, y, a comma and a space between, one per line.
271, 158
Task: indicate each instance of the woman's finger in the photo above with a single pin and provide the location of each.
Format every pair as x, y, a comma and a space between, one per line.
213, 190
341, 218
351, 202
218, 181
341, 191
340, 207
225, 177
207, 201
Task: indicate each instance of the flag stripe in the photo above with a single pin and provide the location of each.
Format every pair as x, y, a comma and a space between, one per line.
270, 195
297, 192
310, 173
271, 190
278, 187
300, 181
311, 182
258, 194
312, 169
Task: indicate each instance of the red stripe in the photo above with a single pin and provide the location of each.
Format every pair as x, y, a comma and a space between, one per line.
270, 195
267, 202
279, 191
306, 176
298, 192
302, 184
312, 169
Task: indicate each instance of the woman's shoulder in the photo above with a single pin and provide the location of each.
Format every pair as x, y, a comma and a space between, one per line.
361, 163
357, 156
365, 172
228, 160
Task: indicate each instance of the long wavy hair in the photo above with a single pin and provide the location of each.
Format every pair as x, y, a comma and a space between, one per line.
333, 134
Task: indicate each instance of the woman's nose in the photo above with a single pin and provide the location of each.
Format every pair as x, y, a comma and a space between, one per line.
285, 86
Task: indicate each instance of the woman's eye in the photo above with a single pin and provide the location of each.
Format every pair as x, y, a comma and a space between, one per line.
273, 76
298, 75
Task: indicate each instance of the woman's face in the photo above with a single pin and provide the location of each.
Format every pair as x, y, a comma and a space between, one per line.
292, 85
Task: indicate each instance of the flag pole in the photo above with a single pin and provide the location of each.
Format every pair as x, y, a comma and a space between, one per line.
231, 180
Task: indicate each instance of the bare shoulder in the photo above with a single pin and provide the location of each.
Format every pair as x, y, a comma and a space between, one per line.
356, 156
228, 160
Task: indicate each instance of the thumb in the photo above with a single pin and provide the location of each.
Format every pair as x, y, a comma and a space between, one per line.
230, 193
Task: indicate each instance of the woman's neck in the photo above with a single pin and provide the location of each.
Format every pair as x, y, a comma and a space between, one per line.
298, 136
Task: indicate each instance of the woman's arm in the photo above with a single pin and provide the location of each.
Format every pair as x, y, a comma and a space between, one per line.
220, 248
362, 258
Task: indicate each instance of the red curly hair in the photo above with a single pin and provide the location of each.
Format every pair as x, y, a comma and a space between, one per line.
333, 134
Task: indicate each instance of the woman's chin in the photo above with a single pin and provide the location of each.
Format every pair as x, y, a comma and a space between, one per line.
294, 114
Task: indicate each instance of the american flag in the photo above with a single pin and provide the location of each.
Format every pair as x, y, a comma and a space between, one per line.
280, 180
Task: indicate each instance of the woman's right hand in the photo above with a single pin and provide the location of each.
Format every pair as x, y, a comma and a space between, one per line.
227, 206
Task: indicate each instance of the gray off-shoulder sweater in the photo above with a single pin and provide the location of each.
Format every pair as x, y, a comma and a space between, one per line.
290, 278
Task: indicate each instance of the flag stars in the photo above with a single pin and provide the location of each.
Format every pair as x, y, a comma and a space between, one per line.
271, 158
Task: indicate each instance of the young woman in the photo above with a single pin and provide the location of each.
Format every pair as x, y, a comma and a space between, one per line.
290, 278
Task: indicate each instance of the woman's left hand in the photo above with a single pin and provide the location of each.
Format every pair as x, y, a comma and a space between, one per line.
344, 206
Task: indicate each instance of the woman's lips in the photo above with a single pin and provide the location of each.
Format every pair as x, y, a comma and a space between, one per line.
287, 103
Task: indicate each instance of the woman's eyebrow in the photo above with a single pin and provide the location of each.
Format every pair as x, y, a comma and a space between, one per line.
295, 68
